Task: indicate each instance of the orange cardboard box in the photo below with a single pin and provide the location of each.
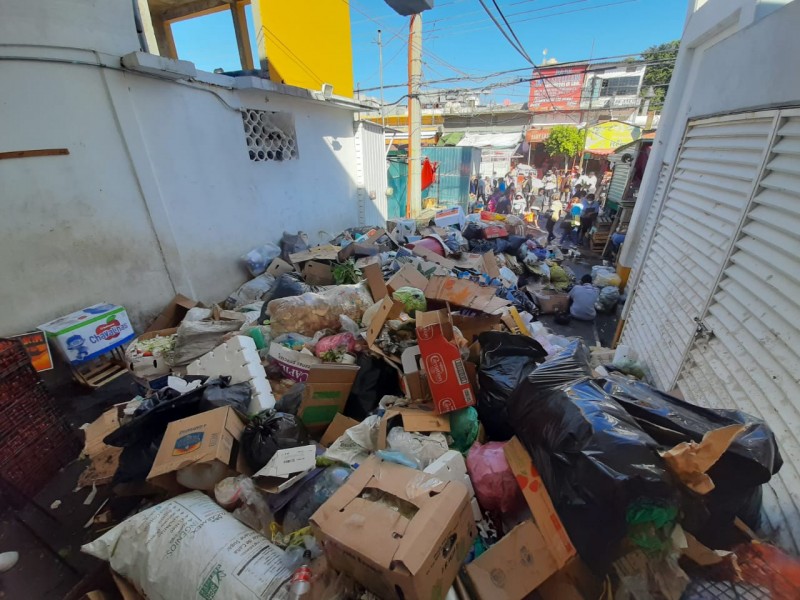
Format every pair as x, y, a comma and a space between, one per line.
444, 368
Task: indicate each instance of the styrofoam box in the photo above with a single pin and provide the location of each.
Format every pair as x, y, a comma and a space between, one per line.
238, 358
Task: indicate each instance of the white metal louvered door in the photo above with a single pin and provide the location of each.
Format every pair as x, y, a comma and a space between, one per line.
650, 221
751, 360
707, 196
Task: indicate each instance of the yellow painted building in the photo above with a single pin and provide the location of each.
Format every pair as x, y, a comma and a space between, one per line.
306, 43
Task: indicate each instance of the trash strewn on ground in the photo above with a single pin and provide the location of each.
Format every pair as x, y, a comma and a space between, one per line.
385, 416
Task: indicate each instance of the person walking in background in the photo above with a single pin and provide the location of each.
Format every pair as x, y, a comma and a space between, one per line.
591, 183
556, 208
588, 217
473, 185
550, 184
480, 192
582, 299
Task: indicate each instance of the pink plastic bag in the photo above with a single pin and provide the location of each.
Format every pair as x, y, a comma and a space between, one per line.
495, 485
339, 343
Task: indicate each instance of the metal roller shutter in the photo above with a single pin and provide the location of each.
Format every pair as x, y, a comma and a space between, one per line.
371, 177
650, 222
618, 183
752, 359
710, 189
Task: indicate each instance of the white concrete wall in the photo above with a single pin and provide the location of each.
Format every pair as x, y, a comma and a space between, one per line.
735, 55
158, 193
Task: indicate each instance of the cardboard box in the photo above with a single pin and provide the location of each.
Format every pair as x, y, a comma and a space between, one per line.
414, 380
450, 216
471, 327
413, 553
326, 392
434, 258
366, 247
420, 419
551, 302
446, 373
336, 429
464, 293
374, 276
389, 309
542, 509
208, 437
574, 582
89, 332
324, 252
407, 276
494, 231
293, 364
514, 566
317, 273
279, 267
173, 314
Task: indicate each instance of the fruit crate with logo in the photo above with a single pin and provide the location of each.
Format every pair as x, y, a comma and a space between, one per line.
35, 438
91, 340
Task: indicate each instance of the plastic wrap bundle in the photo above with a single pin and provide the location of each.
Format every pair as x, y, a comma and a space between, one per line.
597, 463
605, 276
196, 338
505, 359
309, 313
751, 460
608, 299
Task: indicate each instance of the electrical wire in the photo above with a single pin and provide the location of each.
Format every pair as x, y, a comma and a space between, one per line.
520, 51
511, 30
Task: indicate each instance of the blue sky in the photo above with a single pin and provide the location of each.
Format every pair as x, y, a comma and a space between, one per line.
460, 40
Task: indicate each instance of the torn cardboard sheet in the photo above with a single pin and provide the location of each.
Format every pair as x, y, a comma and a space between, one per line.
288, 461
279, 267
464, 293
336, 429
325, 252
374, 276
407, 276
691, 460
318, 273
415, 420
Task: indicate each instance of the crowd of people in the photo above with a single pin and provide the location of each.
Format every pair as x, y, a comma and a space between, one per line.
567, 200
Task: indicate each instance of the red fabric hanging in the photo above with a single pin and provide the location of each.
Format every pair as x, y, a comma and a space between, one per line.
428, 173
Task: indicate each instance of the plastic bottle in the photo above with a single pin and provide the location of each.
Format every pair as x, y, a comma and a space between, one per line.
301, 583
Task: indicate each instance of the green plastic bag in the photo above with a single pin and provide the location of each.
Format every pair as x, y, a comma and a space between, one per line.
464, 426
413, 299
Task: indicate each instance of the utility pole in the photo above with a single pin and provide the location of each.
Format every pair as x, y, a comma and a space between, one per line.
414, 191
380, 71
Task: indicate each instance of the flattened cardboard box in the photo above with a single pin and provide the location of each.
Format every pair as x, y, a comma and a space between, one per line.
413, 553
445, 370
464, 293
211, 436
325, 394
407, 276
336, 429
514, 566
542, 509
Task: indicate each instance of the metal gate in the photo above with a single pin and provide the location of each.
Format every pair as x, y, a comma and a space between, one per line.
371, 178
750, 360
707, 197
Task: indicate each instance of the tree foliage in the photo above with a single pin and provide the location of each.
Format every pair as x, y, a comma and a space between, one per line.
566, 140
659, 75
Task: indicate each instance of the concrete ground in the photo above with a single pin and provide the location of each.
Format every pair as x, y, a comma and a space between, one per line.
49, 531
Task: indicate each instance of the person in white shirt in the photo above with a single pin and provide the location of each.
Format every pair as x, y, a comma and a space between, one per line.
556, 209
591, 183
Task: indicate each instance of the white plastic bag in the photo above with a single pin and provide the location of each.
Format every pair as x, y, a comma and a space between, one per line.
357, 443
605, 276
422, 449
189, 548
250, 291
258, 259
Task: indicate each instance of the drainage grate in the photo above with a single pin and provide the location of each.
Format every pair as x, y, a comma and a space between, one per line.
270, 135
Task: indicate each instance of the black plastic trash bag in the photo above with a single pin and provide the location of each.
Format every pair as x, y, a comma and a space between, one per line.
141, 436
568, 365
268, 432
751, 459
505, 360
597, 463
374, 380
290, 401
292, 243
753, 456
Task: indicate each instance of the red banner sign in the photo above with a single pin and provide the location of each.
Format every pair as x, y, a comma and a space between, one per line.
557, 88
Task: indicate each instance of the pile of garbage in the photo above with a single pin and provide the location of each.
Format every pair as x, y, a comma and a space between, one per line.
384, 417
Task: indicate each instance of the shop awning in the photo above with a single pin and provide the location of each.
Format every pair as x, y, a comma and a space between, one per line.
491, 140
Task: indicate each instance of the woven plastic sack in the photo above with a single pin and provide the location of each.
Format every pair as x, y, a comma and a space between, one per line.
604, 276
189, 547
309, 313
